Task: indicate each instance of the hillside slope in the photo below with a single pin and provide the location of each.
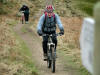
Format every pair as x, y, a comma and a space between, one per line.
15, 57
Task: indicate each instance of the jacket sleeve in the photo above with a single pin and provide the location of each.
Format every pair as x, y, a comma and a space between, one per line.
40, 23
58, 21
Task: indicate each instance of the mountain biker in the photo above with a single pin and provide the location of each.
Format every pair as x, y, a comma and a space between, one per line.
25, 8
47, 25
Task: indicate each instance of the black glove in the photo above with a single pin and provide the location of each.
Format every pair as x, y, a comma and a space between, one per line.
40, 33
62, 32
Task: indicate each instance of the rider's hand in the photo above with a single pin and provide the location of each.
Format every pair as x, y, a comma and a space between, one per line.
62, 32
40, 33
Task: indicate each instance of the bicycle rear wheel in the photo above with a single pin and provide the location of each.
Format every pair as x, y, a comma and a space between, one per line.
22, 18
22, 21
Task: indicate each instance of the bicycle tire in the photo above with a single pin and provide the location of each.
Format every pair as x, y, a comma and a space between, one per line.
49, 58
49, 63
22, 21
53, 66
53, 61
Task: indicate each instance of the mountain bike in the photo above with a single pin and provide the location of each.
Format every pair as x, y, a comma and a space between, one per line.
51, 52
22, 17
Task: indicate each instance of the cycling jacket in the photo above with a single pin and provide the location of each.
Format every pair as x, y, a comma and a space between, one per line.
25, 8
49, 23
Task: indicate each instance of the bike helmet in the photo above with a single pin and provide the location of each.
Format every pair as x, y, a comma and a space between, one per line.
49, 8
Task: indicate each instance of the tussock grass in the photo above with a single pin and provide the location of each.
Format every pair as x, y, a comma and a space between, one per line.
85, 6
15, 56
68, 45
6, 8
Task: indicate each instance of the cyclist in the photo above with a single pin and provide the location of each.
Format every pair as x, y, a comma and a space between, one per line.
26, 12
47, 25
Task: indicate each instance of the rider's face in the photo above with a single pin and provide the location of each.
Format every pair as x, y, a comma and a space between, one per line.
49, 14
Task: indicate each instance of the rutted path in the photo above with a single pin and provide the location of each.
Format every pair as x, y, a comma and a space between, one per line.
34, 43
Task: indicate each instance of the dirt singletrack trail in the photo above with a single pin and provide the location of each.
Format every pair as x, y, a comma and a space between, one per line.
34, 43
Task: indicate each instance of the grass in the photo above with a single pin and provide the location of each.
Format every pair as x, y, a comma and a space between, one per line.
2, 11
26, 58
27, 55
73, 65
23, 47
68, 46
21, 54
6, 8
85, 6
23, 29
15, 56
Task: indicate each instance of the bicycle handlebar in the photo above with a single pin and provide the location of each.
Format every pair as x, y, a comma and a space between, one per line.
57, 34
22, 11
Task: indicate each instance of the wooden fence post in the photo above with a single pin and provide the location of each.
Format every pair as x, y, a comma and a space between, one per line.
96, 60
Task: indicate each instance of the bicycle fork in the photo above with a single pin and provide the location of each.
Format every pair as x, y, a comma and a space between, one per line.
51, 51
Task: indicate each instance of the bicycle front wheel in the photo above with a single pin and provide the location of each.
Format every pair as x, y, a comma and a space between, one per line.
53, 60
53, 66
49, 63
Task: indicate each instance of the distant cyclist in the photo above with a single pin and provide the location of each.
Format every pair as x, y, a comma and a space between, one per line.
25, 10
47, 25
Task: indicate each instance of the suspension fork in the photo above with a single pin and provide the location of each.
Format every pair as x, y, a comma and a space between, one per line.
49, 51
53, 51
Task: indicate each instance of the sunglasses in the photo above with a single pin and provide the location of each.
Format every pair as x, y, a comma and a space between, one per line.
49, 11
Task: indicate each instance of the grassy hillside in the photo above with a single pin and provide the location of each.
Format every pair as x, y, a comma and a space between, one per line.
85, 5
74, 7
8, 7
15, 56
73, 12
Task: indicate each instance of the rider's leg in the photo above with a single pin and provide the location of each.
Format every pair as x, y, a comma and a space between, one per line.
27, 17
54, 39
44, 44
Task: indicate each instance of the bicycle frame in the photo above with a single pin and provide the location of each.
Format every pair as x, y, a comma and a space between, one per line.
22, 18
50, 45
51, 52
